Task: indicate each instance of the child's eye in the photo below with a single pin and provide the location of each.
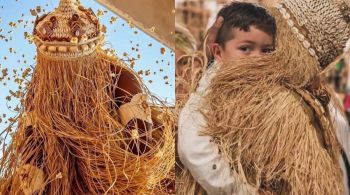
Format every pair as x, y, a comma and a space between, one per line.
245, 49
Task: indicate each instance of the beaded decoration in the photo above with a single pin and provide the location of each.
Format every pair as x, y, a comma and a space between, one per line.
323, 23
70, 31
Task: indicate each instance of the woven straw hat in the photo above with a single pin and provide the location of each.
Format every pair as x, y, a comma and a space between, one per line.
184, 40
70, 31
322, 26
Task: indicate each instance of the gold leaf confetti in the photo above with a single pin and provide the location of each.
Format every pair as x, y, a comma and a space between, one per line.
113, 20
38, 9
162, 50
59, 175
103, 28
8, 98
33, 12
132, 64
13, 24
100, 13
12, 120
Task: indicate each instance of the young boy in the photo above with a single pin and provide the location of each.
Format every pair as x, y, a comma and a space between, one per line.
248, 30
276, 126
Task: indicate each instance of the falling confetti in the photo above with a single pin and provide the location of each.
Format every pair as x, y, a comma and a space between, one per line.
103, 28
162, 50
101, 13
113, 20
33, 12
16, 34
13, 24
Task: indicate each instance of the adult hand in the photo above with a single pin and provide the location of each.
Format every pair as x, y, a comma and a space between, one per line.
211, 36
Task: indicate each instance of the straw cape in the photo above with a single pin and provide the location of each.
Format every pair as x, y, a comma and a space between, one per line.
88, 124
266, 115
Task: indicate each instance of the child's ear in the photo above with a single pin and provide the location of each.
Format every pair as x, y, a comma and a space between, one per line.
217, 52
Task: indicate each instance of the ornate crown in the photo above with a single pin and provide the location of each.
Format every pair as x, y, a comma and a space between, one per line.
70, 31
322, 26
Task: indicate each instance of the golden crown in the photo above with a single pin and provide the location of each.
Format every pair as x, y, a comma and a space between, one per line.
70, 31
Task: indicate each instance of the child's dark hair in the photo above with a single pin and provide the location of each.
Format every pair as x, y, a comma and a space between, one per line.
244, 15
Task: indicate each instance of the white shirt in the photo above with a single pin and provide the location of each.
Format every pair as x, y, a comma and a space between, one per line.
199, 155
343, 135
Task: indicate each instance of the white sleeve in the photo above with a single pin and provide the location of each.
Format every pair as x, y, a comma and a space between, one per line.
201, 156
342, 129
343, 136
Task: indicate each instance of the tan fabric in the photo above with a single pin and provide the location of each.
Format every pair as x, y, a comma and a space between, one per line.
136, 109
31, 179
154, 17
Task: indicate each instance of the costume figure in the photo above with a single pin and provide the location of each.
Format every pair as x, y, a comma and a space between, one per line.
273, 123
88, 125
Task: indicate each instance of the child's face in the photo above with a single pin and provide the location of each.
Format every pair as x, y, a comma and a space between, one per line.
244, 44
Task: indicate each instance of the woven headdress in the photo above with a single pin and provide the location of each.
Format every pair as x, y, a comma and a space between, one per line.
322, 26
70, 31
184, 40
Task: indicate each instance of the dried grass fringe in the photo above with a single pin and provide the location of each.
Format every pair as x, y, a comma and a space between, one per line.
189, 83
75, 139
264, 129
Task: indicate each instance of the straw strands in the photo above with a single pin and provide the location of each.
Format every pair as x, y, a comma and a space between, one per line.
69, 132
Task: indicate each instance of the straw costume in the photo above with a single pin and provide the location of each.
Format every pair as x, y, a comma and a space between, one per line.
87, 126
267, 115
189, 63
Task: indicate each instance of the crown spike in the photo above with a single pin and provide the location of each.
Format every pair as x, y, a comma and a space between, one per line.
67, 3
